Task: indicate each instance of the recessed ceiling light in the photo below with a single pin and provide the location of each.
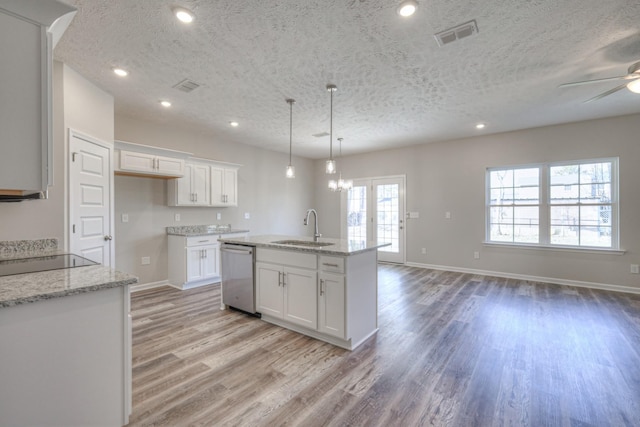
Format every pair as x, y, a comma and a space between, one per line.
121, 72
184, 15
480, 126
234, 124
166, 104
407, 8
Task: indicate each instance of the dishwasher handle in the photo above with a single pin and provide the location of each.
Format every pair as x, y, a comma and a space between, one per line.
237, 251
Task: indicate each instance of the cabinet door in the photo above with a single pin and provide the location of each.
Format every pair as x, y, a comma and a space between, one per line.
183, 187
210, 262
139, 162
301, 297
230, 187
195, 264
269, 292
217, 186
332, 305
200, 182
24, 104
169, 166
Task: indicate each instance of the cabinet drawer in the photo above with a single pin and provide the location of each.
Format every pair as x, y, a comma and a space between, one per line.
332, 264
201, 240
296, 259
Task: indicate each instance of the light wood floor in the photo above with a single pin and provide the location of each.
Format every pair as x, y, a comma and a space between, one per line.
453, 350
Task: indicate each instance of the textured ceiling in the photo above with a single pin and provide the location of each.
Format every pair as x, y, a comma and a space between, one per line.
396, 86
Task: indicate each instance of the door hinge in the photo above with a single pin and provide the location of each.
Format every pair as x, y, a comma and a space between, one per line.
74, 228
73, 156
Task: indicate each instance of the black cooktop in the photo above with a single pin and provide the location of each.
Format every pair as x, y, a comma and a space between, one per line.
45, 263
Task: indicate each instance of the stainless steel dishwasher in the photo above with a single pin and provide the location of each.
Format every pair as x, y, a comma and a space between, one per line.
238, 289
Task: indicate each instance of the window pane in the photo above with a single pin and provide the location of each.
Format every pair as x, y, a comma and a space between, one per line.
501, 178
595, 172
526, 195
563, 235
357, 214
564, 193
501, 196
565, 215
526, 177
501, 233
595, 193
564, 175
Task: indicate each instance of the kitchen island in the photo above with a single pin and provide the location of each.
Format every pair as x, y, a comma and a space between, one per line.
326, 289
65, 357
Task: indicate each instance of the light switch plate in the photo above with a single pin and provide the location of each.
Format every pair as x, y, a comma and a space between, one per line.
176, 217
414, 215
146, 260
635, 269
219, 216
247, 215
447, 215
125, 217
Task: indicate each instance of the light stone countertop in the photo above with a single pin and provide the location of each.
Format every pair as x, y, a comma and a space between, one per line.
26, 288
340, 247
202, 230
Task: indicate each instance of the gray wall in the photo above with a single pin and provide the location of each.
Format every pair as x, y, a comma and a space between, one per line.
276, 205
450, 176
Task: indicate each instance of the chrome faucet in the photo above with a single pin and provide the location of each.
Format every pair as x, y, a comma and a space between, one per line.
316, 235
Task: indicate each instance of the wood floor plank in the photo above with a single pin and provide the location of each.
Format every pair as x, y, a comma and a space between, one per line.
453, 349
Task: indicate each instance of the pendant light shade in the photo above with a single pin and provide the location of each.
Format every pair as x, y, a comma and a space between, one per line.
330, 167
291, 171
340, 184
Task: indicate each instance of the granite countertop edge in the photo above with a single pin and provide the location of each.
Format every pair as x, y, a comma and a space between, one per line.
67, 292
340, 247
206, 233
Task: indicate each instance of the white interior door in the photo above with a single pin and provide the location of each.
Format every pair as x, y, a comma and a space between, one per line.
375, 212
90, 198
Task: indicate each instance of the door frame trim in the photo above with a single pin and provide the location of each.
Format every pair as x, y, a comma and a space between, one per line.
70, 209
343, 208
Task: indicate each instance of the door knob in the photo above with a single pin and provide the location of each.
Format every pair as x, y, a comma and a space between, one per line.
108, 237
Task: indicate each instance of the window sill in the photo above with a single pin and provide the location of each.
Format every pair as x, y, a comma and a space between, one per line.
590, 250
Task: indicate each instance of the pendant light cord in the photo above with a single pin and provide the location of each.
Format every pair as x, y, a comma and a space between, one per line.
331, 88
290, 102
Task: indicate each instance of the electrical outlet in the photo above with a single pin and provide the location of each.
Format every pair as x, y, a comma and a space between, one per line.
247, 215
219, 216
635, 269
447, 215
176, 217
424, 251
125, 217
146, 260
476, 255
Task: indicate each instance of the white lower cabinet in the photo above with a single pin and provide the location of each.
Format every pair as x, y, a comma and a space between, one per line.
331, 304
331, 298
193, 261
287, 293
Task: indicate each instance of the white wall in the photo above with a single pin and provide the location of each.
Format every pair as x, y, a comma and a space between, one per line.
276, 204
450, 176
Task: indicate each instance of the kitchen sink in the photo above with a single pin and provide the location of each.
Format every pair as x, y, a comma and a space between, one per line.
302, 243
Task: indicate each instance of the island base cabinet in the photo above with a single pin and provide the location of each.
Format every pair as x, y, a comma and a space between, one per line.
287, 293
331, 305
67, 361
336, 303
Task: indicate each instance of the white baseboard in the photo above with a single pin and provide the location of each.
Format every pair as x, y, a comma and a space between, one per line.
556, 281
144, 286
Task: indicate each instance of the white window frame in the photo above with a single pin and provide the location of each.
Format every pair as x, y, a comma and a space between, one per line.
545, 206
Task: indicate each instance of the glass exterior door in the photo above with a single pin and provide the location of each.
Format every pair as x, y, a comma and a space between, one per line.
375, 212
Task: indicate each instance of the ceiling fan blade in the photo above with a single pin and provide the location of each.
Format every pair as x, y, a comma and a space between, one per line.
607, 79
607, 93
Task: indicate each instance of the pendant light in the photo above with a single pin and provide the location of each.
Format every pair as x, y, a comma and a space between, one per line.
330, 166
340, 184
291, 171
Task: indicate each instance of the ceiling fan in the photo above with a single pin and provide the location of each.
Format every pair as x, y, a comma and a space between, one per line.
632, 83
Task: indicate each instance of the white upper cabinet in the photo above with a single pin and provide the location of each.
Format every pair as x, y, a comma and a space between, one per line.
26, 162
144, 160
193, 189
224, 185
